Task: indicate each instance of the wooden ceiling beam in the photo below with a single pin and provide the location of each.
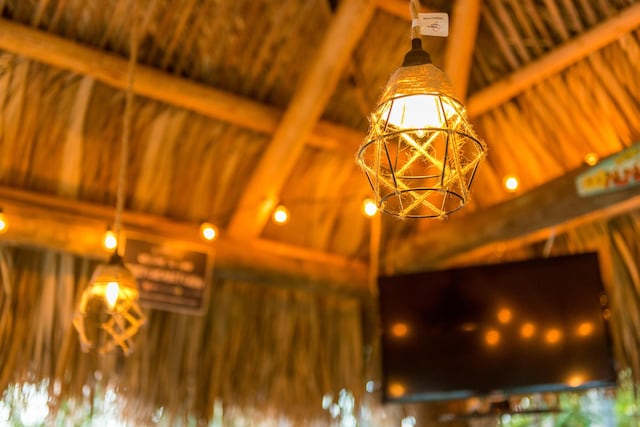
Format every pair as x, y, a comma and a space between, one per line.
461, 43
550, 208
313, 92
399, 8
111, 69
555, 61
51, 222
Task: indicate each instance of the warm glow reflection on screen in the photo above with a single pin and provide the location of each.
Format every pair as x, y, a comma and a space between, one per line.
527, 330
504, 315
576, 380
585, 329
399, 330
492, 337
468, 327
553, 336
396, 390
532, 326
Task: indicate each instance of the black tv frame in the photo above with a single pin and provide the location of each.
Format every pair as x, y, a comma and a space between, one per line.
580, 266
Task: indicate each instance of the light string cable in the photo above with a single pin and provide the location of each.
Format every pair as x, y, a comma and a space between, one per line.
126, 125
414, 9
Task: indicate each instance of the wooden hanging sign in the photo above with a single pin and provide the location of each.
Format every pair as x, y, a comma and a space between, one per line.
622, 170
170, 277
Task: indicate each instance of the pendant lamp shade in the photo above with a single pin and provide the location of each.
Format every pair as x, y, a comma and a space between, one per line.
108, 315
421, 154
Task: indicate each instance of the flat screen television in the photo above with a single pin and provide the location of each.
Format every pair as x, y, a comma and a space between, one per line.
504, 329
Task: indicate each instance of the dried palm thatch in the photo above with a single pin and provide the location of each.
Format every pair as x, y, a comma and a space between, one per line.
271, 352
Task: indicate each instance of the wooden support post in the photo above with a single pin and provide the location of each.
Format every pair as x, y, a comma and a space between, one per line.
461, 43
308, 103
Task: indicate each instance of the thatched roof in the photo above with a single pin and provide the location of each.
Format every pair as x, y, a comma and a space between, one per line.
217, 83
242, 105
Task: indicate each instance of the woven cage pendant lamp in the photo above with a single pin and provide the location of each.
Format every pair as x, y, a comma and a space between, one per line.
421, 154
108, 315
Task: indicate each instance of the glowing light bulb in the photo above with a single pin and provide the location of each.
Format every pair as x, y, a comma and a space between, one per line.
110, 241
4, 225
281, 215
591, 159
111, 294
208, 231
511, 183
369, 207
417, 112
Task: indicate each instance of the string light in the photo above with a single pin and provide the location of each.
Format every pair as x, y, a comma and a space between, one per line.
208, 231
591, 159
4, 224
511, 183
281, 215
369, 207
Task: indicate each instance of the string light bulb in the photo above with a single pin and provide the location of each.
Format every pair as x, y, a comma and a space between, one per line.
281, 215
208, 231
110, 241
511, 183
4, 224
369, 207
591, 159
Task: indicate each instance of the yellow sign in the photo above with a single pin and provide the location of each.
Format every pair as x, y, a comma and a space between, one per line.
620, 171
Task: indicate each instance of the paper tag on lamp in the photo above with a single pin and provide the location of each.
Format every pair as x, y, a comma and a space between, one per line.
433, 24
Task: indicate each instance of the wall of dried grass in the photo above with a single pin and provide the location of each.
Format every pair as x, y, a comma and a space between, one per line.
264, 350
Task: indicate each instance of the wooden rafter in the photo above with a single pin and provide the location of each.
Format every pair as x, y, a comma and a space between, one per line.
155, 84
399, 8
111, 69
551, 207
38, 220
460, 45
307, 104
555, 61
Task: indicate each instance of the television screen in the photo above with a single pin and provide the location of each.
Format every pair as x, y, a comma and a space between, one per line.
504, 329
